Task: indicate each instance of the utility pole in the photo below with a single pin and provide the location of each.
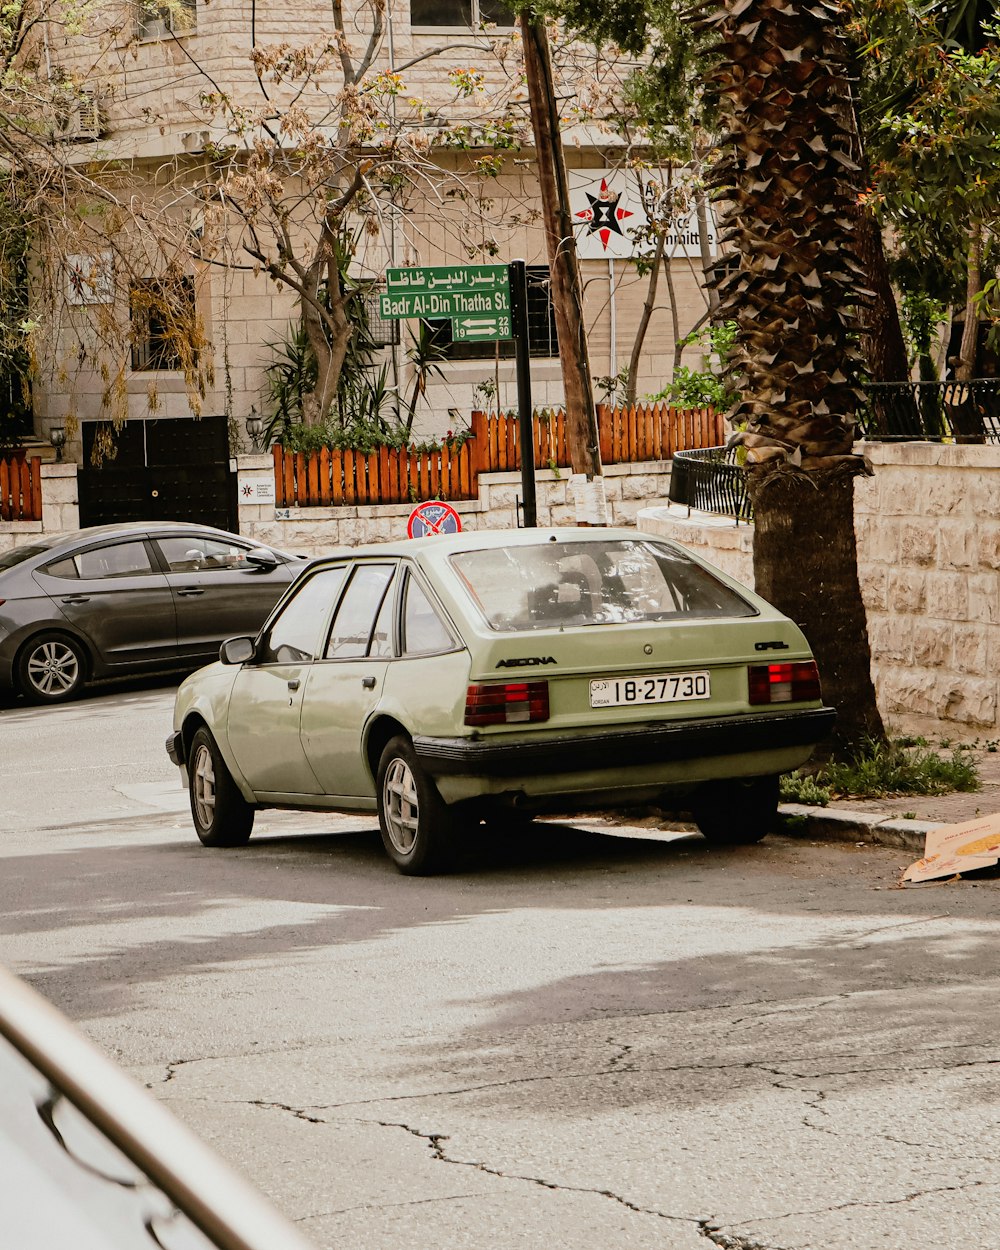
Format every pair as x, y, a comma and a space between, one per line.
567, 292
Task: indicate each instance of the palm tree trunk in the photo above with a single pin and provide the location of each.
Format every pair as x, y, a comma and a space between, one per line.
781, 82
805, 559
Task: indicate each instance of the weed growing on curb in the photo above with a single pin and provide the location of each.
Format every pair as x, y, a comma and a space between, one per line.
879, 769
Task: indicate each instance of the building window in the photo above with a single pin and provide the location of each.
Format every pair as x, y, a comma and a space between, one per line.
381, 331
157, 21
541, 326
164, 321
460, 13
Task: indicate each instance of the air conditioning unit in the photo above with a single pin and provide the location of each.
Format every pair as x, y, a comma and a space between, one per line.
79, 117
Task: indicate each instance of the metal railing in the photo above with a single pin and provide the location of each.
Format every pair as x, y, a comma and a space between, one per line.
710, 480
963, 412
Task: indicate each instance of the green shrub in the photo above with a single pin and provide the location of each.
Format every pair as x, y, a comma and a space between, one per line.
362, 436
882, 768
878, 769
800, 787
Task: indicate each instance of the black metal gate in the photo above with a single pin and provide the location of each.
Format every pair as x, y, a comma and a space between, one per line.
173, 469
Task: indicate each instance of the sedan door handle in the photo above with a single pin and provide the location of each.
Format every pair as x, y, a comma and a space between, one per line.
77, 599
191, 590
294, 683
368, 683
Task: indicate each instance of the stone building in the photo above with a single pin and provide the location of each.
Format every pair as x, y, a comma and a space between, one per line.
147, 83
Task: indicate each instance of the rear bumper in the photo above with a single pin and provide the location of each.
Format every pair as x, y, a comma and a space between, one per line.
637, 745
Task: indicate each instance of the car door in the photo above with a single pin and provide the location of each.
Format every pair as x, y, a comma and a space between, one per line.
266, 703
345, 685
217, 593
117, 598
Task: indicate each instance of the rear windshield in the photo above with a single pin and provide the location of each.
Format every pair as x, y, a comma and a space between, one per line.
589, 583
19, 554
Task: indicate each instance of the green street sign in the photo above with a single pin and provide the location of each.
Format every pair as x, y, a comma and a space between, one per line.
447, 279
481, 327
475, 297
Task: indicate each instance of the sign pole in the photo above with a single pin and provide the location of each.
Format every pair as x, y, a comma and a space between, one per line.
525, 409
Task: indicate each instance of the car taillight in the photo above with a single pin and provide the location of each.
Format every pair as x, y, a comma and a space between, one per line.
784, 683
514, 703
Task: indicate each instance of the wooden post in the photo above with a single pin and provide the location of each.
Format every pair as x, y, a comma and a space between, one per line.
567, 291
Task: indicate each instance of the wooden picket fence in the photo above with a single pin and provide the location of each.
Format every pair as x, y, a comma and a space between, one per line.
328, 477
20, 490
627, 435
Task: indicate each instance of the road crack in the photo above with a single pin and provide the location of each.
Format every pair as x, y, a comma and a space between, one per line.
436, 1142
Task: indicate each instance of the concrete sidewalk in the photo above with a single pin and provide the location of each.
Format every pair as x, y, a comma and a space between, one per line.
900, 821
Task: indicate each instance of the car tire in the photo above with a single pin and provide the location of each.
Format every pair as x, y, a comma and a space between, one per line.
221, 815
51, 668
736, 812
418, 828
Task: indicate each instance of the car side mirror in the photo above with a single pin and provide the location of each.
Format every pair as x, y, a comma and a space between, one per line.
236, 651
261, 561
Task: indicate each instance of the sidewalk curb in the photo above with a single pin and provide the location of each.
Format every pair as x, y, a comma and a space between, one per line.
797, 820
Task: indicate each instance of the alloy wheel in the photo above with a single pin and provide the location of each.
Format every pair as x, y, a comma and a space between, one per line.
203, 786
401, 805
53, 668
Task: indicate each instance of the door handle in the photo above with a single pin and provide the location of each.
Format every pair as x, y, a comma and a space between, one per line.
368, 683
191, 590
294, 683
77, 599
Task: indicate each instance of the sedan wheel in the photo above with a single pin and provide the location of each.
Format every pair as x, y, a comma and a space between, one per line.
51, 669
222, 816
738, 811
417, 826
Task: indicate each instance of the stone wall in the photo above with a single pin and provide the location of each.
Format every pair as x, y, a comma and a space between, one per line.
315, 531
928, 527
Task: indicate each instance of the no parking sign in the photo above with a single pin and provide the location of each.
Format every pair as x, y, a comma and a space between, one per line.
433, 517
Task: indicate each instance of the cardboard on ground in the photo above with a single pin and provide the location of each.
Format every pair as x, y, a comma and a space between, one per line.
951, 849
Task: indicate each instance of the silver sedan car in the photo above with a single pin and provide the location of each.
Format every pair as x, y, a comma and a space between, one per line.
116, 600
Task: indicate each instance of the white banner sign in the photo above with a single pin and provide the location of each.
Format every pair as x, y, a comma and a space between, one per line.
256, 489
610, 210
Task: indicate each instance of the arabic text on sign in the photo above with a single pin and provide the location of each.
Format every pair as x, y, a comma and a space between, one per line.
450, 279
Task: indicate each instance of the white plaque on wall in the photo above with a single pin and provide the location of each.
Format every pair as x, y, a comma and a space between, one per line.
256, 489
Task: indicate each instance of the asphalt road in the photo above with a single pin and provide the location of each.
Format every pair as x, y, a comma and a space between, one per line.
584, 1041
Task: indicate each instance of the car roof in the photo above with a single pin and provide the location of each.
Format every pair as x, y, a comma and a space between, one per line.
491, 539
126, 528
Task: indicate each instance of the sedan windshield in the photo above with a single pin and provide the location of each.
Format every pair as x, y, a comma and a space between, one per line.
592, 583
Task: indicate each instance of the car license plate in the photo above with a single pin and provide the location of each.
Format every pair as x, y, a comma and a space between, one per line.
672, 688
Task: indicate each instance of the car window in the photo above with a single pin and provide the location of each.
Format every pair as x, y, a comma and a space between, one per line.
423, 629
575, 583
115, 560
61, 568
381, 643
295, 635
196, 553
355, 620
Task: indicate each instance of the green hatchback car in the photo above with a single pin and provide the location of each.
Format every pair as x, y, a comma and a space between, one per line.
495, 675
